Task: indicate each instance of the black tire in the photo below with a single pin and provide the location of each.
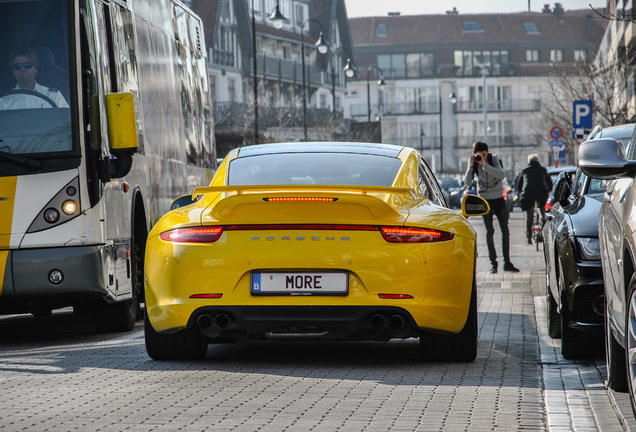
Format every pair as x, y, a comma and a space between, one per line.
116, 317
630, 340
188, 344
615, 360
554, 318
574, 344
461, 347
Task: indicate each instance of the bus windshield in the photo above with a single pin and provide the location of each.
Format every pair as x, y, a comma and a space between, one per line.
35, 99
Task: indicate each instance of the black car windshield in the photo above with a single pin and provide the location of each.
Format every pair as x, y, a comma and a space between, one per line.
345, 169
34, 78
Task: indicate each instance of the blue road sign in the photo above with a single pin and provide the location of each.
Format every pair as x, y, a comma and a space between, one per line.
583, 114
556, 143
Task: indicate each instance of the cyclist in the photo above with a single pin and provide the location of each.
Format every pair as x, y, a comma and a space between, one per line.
533, 187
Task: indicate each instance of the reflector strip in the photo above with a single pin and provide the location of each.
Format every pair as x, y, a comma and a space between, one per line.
206, 296
395, 296
302, 227
300, 199
193, 235
414, 235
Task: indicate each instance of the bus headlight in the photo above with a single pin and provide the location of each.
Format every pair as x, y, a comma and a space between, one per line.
51, 215
61, 208
69, 207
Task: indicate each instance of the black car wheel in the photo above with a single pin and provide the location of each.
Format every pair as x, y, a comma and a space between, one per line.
461, 347
554, 318
630, 341
573, 343
187, 344
615, 359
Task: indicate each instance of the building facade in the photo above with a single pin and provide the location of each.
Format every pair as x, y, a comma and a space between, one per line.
291, 105
449, 80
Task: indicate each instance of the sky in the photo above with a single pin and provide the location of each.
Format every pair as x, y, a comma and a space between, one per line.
360, 8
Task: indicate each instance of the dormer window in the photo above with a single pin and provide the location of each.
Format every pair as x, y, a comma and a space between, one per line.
380, 30
531, 28
471, 26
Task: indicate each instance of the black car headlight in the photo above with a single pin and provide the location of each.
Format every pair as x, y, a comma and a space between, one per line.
589, 247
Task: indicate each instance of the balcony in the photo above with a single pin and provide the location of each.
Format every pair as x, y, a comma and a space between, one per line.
289, 71
515, 105
235, 116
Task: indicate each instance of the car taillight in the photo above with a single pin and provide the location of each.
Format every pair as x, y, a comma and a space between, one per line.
414, 235
193, 235
548, 205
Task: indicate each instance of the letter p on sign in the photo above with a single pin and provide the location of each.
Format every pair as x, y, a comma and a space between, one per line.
583, 117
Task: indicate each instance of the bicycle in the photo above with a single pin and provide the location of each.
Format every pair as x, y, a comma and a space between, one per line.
537, 225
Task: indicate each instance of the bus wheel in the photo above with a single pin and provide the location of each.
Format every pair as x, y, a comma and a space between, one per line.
116, 317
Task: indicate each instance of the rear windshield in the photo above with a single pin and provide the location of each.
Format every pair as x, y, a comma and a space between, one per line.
314, 168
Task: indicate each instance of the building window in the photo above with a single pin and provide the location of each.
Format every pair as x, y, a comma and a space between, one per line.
419, 65
471, 27
531, 28
580, 56
472, 63
231, 90
300, 14
532, 55
323, 101
556, 56
392, 66
380, 30
213, 88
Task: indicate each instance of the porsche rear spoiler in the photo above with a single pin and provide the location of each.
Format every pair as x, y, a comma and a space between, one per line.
250, 204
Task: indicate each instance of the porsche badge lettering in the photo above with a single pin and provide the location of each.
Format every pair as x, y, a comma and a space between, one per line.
301, 238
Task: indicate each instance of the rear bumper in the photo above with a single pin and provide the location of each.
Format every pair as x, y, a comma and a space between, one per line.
328, 322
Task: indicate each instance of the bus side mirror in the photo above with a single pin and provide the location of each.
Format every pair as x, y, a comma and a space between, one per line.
122, 131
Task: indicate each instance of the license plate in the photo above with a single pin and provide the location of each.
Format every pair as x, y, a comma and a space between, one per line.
300, 283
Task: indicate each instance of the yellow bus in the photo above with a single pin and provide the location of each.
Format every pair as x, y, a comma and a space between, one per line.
104, 120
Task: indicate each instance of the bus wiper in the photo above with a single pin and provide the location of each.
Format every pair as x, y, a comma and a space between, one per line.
30, 163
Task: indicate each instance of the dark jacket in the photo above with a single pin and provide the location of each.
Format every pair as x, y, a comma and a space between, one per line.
534, 185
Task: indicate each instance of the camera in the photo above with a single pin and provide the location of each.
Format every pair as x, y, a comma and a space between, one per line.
477, 158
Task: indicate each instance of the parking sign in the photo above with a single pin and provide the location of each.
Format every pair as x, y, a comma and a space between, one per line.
582, 114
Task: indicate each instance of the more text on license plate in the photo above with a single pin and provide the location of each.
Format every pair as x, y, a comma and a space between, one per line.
300, 283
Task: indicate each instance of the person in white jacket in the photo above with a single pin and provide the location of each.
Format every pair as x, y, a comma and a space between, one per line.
490, 175
24, 66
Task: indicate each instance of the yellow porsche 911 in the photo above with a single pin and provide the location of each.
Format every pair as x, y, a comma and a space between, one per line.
314, 240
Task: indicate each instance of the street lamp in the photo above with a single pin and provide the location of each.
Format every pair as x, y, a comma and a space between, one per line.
380, 82
278, 20
322, 46
453, 100
349, 70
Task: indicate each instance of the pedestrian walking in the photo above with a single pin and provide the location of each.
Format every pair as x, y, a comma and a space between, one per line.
533, 187
490, 174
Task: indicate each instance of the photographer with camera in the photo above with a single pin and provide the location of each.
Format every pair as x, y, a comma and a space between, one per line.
490, 174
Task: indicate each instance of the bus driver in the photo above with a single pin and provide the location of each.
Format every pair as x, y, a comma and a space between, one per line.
24, 66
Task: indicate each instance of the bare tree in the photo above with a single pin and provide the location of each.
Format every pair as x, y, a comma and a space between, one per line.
604, 83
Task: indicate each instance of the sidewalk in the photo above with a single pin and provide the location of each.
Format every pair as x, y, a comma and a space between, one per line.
574, 392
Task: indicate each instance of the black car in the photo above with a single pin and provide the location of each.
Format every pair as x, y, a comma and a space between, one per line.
574, 277
452, 188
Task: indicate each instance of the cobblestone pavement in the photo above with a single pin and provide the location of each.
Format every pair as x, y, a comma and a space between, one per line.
519, 381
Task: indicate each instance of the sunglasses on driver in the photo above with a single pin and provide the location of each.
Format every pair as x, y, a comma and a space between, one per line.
26, 65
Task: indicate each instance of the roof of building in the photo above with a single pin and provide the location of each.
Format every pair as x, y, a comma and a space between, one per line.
573, 27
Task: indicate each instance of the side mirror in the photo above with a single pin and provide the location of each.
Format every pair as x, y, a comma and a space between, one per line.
603, 158
473, 205
562, 189
122, 131
183, 201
